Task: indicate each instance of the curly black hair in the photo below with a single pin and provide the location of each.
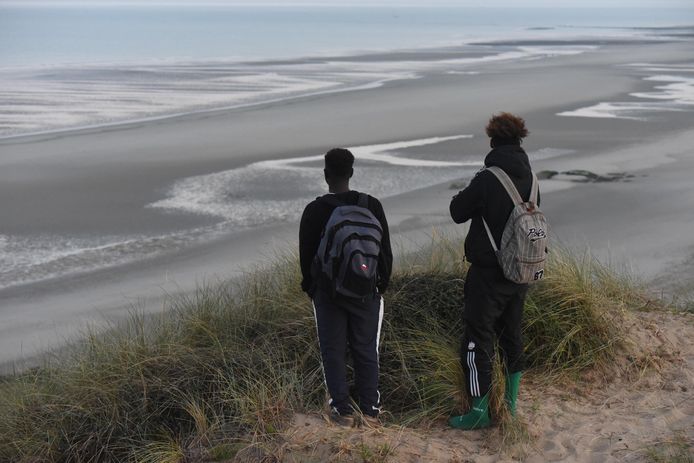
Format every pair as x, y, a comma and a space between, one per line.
506, 128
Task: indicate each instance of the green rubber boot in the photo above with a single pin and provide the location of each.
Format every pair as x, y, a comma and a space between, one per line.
512, 386
476, 418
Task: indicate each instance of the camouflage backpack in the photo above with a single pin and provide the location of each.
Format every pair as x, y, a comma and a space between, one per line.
523, 249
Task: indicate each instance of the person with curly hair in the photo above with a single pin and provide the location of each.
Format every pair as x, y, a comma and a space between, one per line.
493, 305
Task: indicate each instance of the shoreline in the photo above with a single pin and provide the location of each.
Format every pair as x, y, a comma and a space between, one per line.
149, 288
99, 168
187, 115
479, 54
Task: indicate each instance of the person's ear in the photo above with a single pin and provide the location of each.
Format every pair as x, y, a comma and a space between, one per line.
491, 143
326, 176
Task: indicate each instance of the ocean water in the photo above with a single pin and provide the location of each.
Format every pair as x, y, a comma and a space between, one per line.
84, 34
240, 199
80, 66
672, 90
63, 68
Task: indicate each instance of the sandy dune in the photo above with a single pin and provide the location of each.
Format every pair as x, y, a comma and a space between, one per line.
641, 410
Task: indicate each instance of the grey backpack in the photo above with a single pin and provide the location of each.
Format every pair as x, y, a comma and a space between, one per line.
347, 257
523, 249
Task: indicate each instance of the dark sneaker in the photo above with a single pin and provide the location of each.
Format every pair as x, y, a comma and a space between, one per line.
345, 421
372, 422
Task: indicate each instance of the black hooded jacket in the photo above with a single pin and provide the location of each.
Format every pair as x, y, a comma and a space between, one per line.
486, 197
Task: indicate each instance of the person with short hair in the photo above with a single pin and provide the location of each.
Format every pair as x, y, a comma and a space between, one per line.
344, 321
493, 305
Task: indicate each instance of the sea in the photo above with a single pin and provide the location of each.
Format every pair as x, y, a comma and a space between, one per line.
81, 65
72, 66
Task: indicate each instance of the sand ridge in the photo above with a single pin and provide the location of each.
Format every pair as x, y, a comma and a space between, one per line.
640, 410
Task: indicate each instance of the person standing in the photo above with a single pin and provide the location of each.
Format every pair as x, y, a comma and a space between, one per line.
493, 304
346, 262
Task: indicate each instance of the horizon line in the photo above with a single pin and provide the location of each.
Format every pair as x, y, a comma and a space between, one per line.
299, 3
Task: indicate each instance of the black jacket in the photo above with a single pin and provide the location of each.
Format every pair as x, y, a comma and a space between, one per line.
486, 197
313, 221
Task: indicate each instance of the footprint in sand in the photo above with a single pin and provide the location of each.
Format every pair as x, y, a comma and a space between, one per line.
575, 409
601, 443
687, 408
552, 450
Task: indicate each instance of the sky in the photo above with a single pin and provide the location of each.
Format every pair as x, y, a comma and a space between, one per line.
463, 3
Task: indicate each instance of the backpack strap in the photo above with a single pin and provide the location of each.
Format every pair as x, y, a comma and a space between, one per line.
508, 185
534, 189
489, 234
512, 191
331, 199
363, 200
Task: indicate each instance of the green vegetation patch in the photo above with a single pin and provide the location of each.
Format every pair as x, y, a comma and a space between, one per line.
239, 360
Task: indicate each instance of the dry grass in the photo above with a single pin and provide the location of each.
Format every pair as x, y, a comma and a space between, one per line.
232, 364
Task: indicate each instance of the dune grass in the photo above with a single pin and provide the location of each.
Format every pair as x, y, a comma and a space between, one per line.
232, 363
678, 449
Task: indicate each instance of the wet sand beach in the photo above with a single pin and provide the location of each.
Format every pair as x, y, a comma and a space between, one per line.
108, 181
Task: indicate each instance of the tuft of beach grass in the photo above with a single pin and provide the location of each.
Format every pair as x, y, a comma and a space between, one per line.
229, 365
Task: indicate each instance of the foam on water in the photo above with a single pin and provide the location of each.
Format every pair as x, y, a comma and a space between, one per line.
679, 90
249, 196
535, 51
50, 99
29, 259
621, 110
680, 68
676, 94
277, 190
262, 193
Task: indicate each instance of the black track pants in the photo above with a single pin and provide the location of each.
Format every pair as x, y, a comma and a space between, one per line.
342, 322
493, 310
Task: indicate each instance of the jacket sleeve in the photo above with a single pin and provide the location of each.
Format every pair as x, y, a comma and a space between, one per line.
469, 202
309, 239
385, 258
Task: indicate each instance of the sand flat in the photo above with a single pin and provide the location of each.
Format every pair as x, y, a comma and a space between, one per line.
98, 181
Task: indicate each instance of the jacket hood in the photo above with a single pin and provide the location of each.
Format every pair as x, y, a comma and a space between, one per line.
511, 158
